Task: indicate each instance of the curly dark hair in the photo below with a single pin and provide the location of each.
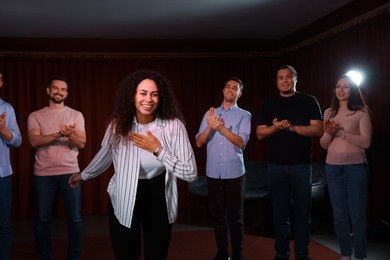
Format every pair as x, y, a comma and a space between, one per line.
124, 110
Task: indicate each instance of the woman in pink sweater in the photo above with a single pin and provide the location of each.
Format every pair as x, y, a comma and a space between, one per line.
347, 133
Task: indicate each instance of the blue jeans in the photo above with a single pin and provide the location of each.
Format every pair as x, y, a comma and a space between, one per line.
5, 211
290, 184
46, 188
348, 191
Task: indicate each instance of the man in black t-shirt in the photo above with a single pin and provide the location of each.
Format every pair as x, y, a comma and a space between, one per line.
288, 122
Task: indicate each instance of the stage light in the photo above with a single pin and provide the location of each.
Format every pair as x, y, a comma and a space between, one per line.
356, 76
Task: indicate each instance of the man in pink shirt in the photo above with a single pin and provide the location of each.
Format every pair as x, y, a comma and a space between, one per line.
57, 132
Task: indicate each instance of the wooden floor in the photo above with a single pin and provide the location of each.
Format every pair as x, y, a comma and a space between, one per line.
257, 222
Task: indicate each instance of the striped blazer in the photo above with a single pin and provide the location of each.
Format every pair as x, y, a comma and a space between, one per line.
177, 156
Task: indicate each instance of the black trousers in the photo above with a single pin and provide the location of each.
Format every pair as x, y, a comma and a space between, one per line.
150, 222
226, 199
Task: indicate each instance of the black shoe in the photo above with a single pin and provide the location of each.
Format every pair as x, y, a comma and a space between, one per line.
278, 257
237, 257
221, 256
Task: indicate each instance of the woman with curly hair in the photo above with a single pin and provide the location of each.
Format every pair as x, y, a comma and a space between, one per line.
149, 147
347, 133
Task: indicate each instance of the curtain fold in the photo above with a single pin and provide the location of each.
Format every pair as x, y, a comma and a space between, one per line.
198, 82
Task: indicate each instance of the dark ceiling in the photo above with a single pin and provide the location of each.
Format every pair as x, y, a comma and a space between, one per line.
160, 19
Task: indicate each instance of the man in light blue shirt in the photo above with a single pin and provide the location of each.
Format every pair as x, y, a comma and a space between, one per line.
226, 131
9, 137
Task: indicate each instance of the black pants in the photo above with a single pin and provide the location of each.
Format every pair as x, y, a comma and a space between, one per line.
150, 220
226, 198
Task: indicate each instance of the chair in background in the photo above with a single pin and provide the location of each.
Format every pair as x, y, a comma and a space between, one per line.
257, 186
256, 182
199, 189
318, 186
321, 213
256, 179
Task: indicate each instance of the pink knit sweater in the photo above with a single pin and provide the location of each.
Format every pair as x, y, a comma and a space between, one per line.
349, 144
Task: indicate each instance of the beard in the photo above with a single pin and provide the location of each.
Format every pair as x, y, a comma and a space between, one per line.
287, 92
57, 101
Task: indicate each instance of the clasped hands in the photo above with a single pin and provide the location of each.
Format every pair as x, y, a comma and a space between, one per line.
331, 127
283, 125
215, 122
66, 130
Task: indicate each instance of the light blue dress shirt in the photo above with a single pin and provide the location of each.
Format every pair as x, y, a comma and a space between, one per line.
5, 163
224, 159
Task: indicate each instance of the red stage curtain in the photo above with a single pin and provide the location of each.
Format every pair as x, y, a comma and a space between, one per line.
198, 81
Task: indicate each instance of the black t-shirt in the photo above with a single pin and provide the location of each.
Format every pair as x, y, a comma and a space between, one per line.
285, 147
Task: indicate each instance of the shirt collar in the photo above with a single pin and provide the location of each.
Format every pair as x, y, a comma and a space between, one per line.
159, 121
235, 106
